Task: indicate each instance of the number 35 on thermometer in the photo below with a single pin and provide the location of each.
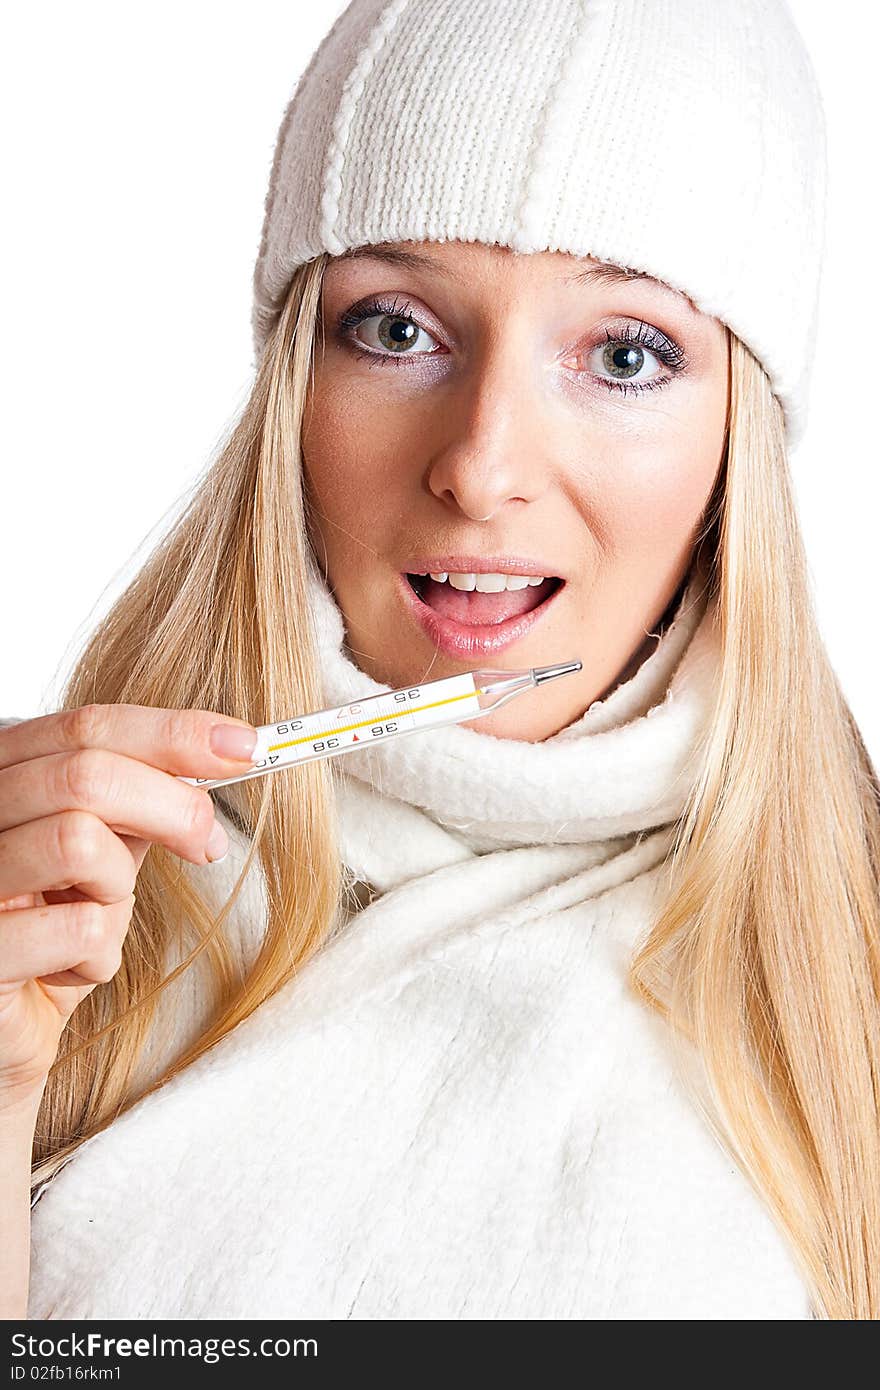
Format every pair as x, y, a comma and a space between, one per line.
409, 710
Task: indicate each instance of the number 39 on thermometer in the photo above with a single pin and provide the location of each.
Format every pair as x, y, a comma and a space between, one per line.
410, 710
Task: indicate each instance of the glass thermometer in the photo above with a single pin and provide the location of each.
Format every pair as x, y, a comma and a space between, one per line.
410, 710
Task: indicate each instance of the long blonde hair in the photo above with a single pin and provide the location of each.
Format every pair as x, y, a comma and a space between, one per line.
765, 954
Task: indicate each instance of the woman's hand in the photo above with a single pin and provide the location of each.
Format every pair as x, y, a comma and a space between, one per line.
83, 794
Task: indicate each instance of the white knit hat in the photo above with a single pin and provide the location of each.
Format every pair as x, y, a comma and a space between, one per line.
682, 138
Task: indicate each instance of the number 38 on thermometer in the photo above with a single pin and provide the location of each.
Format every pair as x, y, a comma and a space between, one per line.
410, 710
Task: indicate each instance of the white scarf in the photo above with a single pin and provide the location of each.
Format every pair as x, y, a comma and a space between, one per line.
457, 1108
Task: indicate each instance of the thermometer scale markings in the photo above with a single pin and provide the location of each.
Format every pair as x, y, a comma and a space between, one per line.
364, 723
402, 717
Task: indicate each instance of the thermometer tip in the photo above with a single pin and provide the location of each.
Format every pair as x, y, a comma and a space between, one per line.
549, 673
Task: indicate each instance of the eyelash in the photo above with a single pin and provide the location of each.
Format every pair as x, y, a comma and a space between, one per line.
669, 353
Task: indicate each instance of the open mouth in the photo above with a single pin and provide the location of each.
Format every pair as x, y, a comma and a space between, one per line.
472, 608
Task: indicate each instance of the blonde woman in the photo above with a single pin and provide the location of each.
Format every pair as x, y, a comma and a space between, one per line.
567, 1012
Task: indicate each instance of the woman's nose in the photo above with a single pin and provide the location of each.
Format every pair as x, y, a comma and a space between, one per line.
495, 441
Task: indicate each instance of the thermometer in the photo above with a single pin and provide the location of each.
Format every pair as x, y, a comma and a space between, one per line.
365, 723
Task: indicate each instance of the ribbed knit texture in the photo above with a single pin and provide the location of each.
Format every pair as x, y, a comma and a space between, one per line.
681, 138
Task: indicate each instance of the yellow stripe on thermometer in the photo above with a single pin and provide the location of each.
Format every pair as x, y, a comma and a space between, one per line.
365, 723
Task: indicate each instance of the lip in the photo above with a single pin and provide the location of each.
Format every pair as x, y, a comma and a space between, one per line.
466, 641
481, 564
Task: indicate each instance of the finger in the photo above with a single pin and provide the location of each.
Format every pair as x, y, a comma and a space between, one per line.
84, 938
176, 740
129, 796
73, 848
138, 850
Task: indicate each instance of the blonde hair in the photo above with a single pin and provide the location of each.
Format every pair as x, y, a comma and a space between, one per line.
765, 955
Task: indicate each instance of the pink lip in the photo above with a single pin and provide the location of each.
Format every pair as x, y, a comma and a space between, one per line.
480, 564
465, 641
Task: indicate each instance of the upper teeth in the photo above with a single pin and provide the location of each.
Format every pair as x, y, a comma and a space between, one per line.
488, 583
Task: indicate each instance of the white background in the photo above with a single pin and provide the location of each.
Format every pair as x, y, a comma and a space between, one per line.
138, 143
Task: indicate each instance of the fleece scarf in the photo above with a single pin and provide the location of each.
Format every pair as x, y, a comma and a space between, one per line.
458, 1108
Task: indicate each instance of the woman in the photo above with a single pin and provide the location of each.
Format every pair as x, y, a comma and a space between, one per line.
570, 1012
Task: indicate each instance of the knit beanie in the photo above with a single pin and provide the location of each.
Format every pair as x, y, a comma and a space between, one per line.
681, 138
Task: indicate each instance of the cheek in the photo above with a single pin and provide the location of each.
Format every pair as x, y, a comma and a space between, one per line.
357, 452
343, 450
651, 492
641, 473
665, 468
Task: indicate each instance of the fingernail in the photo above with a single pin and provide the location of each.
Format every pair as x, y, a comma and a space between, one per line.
233, 741
217, 847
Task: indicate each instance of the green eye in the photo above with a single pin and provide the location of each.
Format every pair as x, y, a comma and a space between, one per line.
621, 360
396, 331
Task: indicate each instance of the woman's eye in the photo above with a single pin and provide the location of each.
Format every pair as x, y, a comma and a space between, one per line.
394, 334
397, 334
620, 363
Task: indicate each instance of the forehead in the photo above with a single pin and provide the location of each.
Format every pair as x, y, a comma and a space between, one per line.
457, 261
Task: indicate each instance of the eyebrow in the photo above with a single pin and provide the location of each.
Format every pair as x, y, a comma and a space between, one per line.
604, 273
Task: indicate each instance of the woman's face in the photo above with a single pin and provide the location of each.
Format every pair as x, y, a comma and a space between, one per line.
473, 409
